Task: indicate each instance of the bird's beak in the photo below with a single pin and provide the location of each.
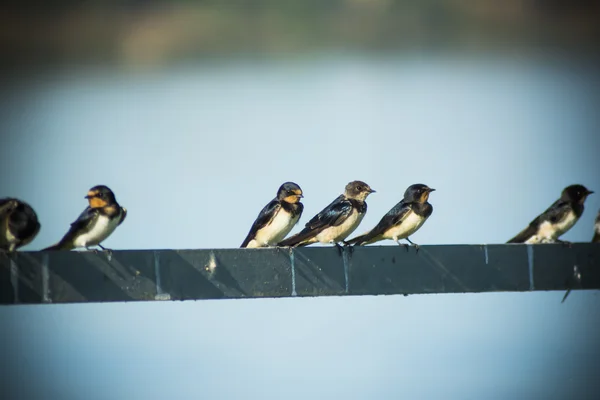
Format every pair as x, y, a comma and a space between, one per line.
300, 195
372, 191
589, 192
431, 190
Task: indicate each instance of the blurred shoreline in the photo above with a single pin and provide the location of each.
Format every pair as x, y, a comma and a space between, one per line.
156, 33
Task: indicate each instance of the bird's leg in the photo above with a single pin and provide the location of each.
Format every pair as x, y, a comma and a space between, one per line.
401, 244
108, 251
95, 251
414, 244
339, 248
564, 243
348, 246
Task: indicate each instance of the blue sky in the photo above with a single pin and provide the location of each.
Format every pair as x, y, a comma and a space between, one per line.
195, 151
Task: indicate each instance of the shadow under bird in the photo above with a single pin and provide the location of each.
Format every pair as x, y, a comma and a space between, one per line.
19, 224
277, 218
404, 219
97, 222
336, 221
596, 238
557, 219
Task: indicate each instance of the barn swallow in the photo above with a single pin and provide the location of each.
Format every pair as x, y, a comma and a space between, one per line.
557, 219
18, 224
404, 219
596, 238
336, 221
277, 218
95, 223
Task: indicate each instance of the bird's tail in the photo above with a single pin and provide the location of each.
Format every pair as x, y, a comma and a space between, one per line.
59, 246
362, 239
302, 238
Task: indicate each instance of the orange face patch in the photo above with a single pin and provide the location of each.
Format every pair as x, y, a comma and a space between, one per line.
96, 202
424, 196
291, 199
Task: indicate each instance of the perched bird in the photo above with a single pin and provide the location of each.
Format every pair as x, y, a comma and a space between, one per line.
277, 218
336, 221
18, 224
95, 223
596, 238
557, 219
404, 219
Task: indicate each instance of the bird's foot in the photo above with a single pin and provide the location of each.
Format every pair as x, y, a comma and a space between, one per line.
339, 248
402, 244
348, 246
416, 246
108, 251
564, 243
95, 251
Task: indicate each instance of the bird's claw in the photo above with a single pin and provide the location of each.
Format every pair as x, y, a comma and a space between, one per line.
414, 244
341, 248
106, 250
565, 243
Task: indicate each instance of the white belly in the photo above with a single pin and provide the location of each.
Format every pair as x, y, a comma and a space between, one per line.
548, 232
338, 233
409, 225
276, 231
100, 231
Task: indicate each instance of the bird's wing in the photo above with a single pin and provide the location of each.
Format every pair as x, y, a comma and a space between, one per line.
82, 223
123, 215
332, 215
556, 212
392, 218
79, 226
264, 218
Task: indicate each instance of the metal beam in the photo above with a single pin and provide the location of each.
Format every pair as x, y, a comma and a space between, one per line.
148, 275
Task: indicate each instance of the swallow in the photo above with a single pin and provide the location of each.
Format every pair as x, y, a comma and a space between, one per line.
19, 224
557, 219
596, 238
336, 221
96, 222
404, 219
277, 218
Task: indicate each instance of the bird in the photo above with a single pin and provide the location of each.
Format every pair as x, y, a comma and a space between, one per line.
97, 222
277, 218
19, 224
336, 221
596, 238
557, 219
404, 219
